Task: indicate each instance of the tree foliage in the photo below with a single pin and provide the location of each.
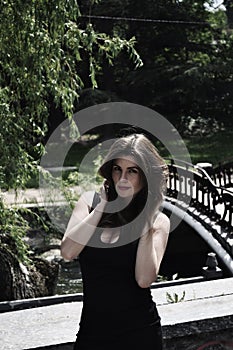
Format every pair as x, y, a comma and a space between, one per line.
44, 48
48, 54
187, 55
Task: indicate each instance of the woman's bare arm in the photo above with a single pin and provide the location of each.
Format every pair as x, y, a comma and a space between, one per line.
150, 251
81, 226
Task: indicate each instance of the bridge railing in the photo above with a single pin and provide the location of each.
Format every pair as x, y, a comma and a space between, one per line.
195, 186
223, 174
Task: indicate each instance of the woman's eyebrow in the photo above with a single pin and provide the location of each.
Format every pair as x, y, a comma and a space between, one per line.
133, 167
130, 167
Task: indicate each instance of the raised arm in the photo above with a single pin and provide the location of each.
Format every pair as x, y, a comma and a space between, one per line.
81, 226
150, 251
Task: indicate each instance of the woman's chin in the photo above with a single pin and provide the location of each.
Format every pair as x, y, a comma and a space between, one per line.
125, 193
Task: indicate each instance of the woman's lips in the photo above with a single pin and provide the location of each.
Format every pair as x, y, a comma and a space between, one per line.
123, 188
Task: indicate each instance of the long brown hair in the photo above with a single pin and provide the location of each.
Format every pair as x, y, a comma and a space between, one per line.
153, 170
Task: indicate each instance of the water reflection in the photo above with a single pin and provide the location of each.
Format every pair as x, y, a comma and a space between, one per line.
69, 278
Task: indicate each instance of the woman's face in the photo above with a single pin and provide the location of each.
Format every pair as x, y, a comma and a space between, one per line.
127, 177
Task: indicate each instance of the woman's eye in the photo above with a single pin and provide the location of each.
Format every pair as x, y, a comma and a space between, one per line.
116, 168
133, 171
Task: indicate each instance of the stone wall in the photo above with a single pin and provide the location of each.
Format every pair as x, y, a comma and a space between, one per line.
203, 320
207, 334
173, 340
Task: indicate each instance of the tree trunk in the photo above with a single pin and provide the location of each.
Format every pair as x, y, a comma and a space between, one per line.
20, 282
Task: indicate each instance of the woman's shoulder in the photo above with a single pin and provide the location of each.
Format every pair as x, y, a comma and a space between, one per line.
162, 222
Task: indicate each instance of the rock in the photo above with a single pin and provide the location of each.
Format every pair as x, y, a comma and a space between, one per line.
18, 281
44, 277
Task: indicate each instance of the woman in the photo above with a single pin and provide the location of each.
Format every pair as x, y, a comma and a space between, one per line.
118, 310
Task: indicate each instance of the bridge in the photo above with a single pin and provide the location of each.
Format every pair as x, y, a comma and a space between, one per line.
201, 196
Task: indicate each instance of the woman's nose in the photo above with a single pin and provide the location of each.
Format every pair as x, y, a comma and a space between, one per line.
123, 176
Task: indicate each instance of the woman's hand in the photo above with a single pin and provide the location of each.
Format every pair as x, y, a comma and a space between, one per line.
103, 196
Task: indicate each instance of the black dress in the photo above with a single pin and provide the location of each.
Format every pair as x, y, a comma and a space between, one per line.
117, 313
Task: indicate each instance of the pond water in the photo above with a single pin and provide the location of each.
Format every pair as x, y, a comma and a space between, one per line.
69, 279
